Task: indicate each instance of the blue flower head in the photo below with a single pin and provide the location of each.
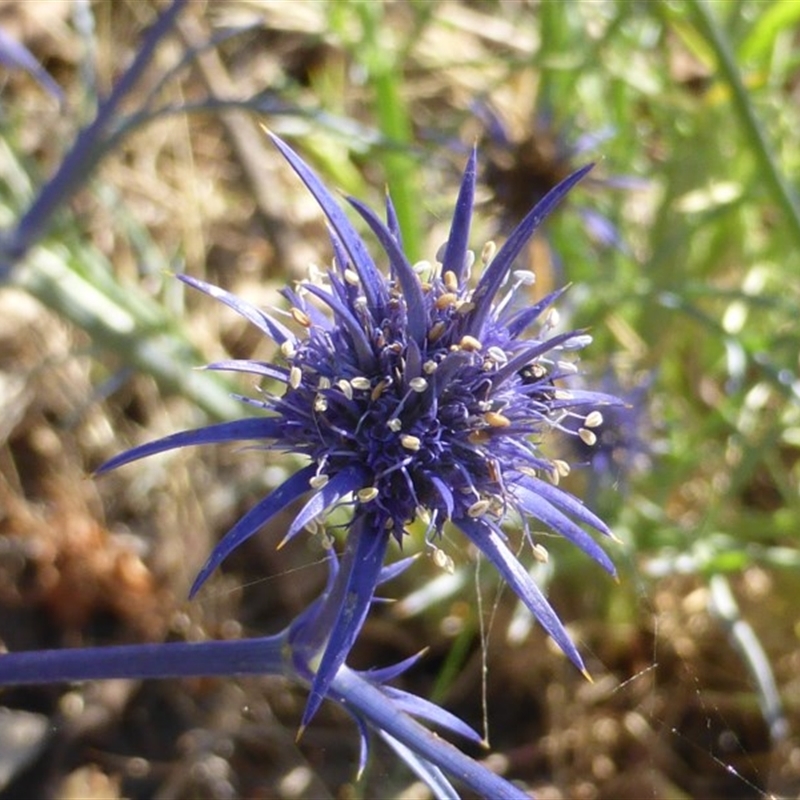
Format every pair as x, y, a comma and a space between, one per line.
416, 394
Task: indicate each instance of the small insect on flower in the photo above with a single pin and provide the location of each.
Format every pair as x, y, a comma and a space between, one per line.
413, 398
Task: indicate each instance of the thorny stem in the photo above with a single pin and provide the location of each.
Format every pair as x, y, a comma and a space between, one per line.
177, 659
263, 656
87, 149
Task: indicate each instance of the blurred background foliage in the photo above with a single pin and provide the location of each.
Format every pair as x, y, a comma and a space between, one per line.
682, 254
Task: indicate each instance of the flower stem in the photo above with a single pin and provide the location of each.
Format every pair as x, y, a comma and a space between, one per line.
139, 661
89, 146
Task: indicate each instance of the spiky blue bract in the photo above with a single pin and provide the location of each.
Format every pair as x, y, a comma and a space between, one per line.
414, 395
393, 714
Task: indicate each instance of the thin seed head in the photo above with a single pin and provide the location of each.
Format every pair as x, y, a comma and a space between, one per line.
593, 420
525, 277
496, 420
346, 388
443, 561
497, 354
367, 494
479, 508
446, 300
562, 467
318, 481
487, 254
468, 263
553, 318
540, 553
378, 391
436, 331
470, 343
410, 442
300, 317
360, 383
